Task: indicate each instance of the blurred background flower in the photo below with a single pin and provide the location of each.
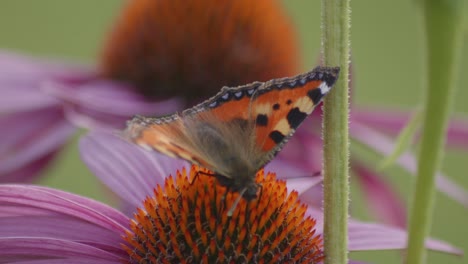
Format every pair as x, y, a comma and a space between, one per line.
157, 59
87, 98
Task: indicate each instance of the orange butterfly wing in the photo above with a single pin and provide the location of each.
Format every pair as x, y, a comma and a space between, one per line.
270, 112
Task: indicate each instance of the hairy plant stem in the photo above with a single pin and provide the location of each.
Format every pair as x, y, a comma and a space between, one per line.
335, 41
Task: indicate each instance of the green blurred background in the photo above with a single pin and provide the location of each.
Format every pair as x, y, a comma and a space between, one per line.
387, 56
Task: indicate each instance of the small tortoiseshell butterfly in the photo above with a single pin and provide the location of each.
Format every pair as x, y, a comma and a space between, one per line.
239, 130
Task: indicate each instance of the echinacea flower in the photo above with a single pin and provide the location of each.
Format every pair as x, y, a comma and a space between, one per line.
160, 58
181, 220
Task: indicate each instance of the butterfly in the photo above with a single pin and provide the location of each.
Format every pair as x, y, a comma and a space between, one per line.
239, 130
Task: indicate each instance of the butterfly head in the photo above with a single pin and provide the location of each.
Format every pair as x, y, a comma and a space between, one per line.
247, 191
244, 185
251, 191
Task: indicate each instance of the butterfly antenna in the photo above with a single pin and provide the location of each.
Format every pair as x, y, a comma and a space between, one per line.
234, 205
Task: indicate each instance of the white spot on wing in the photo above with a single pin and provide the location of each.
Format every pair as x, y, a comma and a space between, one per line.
324, 88
213, 104
225, 96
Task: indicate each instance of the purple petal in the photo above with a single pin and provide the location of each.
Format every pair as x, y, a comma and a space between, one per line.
392, 121
38, 222
22, 249
52, 201
104, 104
388, 120
380, 143
16, 98
309, 189
30, 171
22, 77
30, 68
372, 236
284, 169
457, 133
302, 184
61, 227
131, 172
69, 261
383, 201
28, 137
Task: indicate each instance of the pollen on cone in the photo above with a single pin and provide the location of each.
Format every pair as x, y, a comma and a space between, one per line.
188, 224
192, 48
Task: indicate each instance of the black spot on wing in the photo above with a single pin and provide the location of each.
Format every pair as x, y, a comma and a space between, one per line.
330, 76
276, 106
276, 136
295, 117
315, 95
262, 120
289, 101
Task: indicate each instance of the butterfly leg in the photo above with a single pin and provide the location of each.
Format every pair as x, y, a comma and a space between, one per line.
194, 178
261, 190
259, 197
198, 174
224, 199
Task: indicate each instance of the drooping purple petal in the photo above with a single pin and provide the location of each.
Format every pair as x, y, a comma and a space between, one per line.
26, 145
393, 121
33, 125
457, 133
309, 189
29, 171
29, 141
382, 144
52, 201
372, 236
18, 99
302, 184
105, 104
21, 79
13, 249
41, 223
285, 170
128, 170
388, 120
61, 227
77, 261
28, 68
384, 202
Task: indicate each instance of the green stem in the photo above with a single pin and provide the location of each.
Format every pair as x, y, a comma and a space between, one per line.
335, 40
443, 26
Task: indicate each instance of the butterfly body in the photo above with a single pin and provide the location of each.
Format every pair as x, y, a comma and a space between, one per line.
239, 130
